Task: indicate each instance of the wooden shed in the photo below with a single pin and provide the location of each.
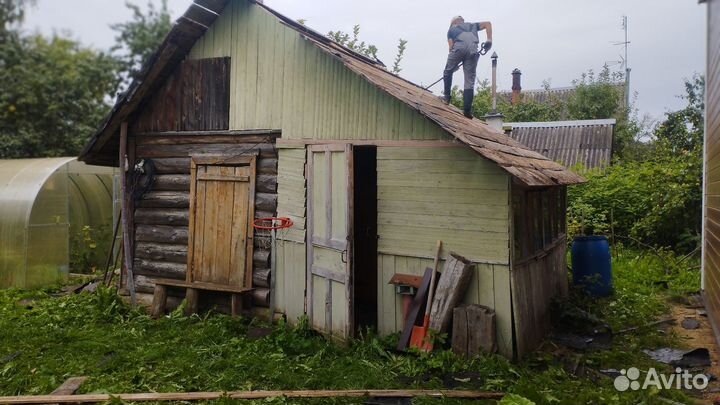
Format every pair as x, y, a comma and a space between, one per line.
246, 113
711, 178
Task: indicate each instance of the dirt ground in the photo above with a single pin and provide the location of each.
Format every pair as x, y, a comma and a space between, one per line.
703, 336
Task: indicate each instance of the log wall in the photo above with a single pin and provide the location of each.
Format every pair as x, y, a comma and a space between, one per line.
162, 214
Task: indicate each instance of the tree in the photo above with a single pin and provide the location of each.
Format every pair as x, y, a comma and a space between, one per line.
596, 96
656, 199
12, 12
353, 42
137, 39
682, 131
52, 95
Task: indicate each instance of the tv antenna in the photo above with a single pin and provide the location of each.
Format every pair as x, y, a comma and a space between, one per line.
623, 62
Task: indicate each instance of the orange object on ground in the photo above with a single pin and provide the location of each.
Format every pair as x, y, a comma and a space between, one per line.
419, 338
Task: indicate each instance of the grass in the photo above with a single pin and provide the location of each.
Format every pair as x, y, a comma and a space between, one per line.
123, 350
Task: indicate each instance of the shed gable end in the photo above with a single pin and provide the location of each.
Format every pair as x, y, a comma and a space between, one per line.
281, 80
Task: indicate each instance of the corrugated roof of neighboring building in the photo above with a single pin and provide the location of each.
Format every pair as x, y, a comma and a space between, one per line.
588, 142
528, 166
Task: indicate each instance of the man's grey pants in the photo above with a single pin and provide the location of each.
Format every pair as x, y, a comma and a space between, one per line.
469, 57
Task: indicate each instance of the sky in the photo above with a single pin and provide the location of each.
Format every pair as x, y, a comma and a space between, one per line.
554, 40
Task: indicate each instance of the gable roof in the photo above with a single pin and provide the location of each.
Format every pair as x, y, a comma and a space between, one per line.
588, 142
528, 166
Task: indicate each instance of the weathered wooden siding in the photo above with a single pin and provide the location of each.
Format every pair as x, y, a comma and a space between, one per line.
290, 281
196, 97
291, 255
162, 214
536, 282
426, 194
711, 237
279, 80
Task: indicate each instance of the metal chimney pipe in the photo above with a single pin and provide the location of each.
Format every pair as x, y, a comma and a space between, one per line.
494, 58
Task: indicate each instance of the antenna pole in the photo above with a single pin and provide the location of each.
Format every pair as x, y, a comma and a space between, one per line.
627, 66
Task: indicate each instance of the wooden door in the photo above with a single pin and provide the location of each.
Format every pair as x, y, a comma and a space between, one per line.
220, 237
329, 245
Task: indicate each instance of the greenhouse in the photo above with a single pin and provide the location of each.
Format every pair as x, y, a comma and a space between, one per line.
54, 213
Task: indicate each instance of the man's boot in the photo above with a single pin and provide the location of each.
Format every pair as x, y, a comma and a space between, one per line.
447, 90
467, 102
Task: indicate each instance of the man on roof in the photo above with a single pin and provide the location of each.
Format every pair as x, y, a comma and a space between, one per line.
463, 42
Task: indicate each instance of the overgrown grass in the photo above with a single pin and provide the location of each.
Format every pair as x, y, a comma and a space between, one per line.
123, 350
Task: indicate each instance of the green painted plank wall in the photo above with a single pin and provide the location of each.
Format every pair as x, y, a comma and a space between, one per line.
279, 80
459, 199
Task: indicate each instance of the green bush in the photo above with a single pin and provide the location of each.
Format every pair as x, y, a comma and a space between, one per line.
656, 202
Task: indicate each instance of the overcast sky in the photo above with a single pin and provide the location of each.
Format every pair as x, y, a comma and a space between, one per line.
551, 39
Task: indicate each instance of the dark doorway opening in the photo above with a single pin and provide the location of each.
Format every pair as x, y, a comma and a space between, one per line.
365, 267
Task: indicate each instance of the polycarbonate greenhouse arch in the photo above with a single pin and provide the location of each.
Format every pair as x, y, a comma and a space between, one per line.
43, 203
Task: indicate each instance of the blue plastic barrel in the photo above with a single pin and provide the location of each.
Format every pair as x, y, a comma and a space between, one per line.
591, 265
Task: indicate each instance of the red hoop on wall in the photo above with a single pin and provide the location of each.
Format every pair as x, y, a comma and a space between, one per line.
272, 223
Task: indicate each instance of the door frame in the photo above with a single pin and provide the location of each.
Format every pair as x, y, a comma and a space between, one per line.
349, 327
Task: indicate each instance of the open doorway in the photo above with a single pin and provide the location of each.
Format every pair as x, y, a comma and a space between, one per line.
365, 264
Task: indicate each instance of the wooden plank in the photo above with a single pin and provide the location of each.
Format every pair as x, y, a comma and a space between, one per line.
162, 252
159, 301
205, 271
191, 301
349, 293
309, 291
169, 182
450, 290
328, 179
440, 221
460, 331
503, 310
152, 216
294, 143
195, 219
161, 234
245, 395
70, 386
162, 138
127, 209
184, 150
460, 152
171, 165
159, 269
481, 331
252, 204
225, 229
329, 274
444, 180
223, 177
194, 139
200, 285
386, 296
435, 195
164, 199
239, 237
